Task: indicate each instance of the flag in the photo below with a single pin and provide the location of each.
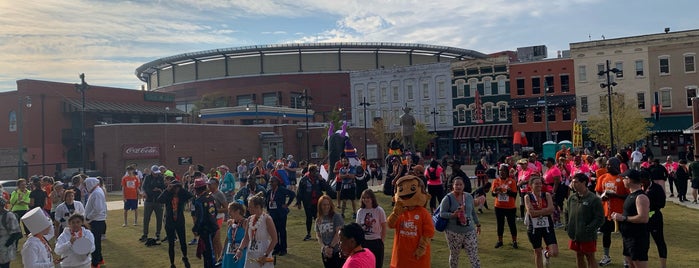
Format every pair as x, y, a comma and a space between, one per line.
478, 108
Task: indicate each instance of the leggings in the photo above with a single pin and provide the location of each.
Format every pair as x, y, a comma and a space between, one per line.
671, 180
437, 193
500, 214
655, 227
311, 212
607, 229
375, 246
173, 228
457, 241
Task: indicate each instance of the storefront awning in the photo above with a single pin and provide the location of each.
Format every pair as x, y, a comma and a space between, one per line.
667, 124
482, 131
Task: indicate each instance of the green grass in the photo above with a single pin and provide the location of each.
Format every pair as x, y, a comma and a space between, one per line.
122, 249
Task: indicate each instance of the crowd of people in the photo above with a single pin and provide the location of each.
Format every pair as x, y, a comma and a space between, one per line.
240, 215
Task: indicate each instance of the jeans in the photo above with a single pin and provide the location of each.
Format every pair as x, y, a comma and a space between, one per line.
97, 228
148, 209
279, 218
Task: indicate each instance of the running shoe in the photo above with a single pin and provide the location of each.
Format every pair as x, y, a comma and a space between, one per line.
605, 260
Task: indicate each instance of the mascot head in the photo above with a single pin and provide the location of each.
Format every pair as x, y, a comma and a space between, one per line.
410, 190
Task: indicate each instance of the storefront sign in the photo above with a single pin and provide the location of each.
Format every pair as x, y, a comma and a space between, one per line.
137, 151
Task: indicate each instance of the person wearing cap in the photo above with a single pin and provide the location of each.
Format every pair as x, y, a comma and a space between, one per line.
613, 192
657, 199
227, 182
68, 237
292, 169
9, 234
130, 185
96, 215
175, 198
36, 251
153, 186
205, 226
277, 201
251, 188
524, 173
633, 221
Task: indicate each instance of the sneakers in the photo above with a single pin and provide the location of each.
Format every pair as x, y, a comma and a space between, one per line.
546, 257
186, 262
514, 245
354, 216
480, 211
498, 244
157, 238
605, 260
143, 238
672, 195
308, 237
193, 242
164, 239
123, 225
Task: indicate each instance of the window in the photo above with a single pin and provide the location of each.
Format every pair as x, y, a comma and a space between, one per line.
664, 64
522, 114
360, 95
549, 84
583, 105
639, 68
666, 98
537, 114
536, 85
689, 63
565, 83
384, 93
488, 113
502, 86
620, 66
270, 99
361, 118
582, 73
551, 114
472, 86
600, 71
460, 87
641, 97
409, 92
603, 103
487, 86
567, 114
425, 91
426, 115
372, 95
502, 114
396, 116
461, 114
295, 100
244, 100
520, 86
691, 93
396, 94
441, 91
442, 114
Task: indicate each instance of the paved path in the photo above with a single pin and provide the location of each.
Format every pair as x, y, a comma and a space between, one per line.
469, 169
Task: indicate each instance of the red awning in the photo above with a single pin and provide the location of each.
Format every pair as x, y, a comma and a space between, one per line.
482, 131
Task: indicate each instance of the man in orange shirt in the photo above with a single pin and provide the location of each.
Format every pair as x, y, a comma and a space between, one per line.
130, 185
611, 188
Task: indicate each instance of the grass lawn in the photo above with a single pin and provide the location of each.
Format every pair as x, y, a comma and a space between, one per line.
122, 248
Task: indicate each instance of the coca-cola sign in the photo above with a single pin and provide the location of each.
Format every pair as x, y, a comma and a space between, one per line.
134, 151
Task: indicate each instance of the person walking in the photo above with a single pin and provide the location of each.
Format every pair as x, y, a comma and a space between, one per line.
464, 227
130, 185
205, 226
153, 186
504, 190
372, 219
175, 199
277, 201
310, 189
540, 207
261, 236
435, 174
634, 221
328, 223
585, 214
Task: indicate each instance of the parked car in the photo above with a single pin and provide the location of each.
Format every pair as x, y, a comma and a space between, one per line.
9, 185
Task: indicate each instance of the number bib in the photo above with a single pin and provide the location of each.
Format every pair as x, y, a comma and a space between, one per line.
540, 222
272, 204
503, 197
258, 246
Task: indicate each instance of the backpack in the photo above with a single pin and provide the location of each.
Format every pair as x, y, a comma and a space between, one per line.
433, 174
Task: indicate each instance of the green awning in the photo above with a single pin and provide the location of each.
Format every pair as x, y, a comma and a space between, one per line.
670, 123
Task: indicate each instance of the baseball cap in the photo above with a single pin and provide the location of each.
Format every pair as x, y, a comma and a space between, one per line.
155, 169
632, 174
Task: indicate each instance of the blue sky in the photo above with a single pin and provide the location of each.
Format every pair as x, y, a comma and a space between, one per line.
108, 40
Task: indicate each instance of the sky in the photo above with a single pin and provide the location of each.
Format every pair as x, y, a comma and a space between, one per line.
107, 40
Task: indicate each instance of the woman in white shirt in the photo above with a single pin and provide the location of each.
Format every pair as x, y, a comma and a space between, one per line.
68, 208
372, 218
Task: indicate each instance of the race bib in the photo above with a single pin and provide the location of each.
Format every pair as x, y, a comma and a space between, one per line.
258, 246
540, 222
272, 205
131, 184
230, 248
503, 198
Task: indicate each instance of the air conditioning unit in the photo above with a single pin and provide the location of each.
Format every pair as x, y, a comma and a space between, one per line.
314, 155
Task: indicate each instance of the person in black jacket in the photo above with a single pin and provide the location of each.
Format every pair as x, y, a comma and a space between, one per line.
311, 188
205, 225
658, 173
278, 200
153, 186
456, 171
681, 177
175, 198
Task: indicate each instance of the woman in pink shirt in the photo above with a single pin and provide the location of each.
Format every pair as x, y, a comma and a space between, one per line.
351, 239
434, 174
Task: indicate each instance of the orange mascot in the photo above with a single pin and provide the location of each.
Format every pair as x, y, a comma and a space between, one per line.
413, 224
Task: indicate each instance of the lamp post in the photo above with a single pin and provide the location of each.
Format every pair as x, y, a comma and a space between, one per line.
366, 147
609, 85
546, 111
436, 140
306, 103
247, 108
26, 101
82, 87
167, 111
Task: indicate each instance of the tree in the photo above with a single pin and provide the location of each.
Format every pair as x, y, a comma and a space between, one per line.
629, 125
422, 137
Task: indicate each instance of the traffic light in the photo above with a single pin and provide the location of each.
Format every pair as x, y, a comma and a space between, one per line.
656, 107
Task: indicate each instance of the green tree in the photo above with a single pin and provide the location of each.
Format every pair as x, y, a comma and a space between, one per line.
629, 125
422, 137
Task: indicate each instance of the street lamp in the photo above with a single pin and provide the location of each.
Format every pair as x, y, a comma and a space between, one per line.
436, 140
82, 87
167, 111
26, 101
609, 85
247, 108
546, 111
366, 148
306, 103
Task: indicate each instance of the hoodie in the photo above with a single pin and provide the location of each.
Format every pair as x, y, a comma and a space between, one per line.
65, 250
96, 206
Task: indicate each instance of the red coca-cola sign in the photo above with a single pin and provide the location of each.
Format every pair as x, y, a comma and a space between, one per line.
135, 151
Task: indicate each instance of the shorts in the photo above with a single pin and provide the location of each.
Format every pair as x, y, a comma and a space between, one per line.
131, 204
583, 247
548, 234
338, 186
292, 181
636, 247
349, 193
695, 183
219, 222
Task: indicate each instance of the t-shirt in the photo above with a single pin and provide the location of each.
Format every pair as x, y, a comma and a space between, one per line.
524, 175
609, 182
130, 185
548, 178
48, 202
362, 259
326, 228
694, 169
503, 200
39, 198
371, 220
434, 175
410, 227
221, 202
